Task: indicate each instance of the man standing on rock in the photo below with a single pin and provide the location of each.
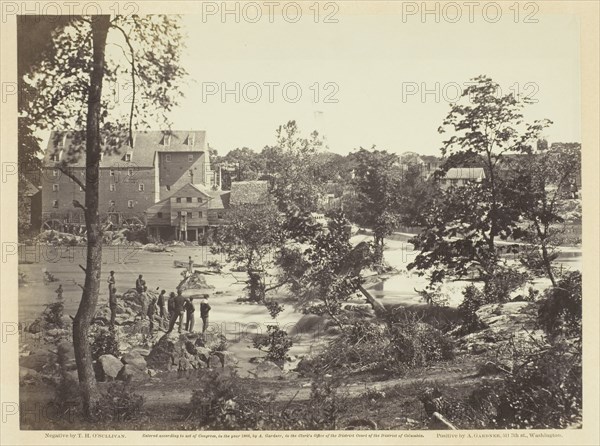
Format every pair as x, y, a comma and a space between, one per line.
112, 304
190, 266
111, 283
204, 310
178, 305
162, 312
140, 285
189, 310
151, 312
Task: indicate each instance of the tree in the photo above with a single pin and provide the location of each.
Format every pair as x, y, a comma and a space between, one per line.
416, 196
325, 270
377, 181
249, 239
293, 168
486, 126
69, 94
542, 183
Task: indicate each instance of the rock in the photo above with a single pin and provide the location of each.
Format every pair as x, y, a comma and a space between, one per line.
109, 367
135, 359
130, 373
172, 346
227, 359
203, 353
66, 356
184, 365
268, 369
215, 362
28, 376
141, 351
39, 360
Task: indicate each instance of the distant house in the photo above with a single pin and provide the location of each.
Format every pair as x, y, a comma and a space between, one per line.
426, 164
461, 176
188, 213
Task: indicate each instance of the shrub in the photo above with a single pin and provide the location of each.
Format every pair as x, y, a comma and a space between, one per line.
224, 402
472, 301
560, 310
118, 403
498, 288
53, 314
105, 343
275, 343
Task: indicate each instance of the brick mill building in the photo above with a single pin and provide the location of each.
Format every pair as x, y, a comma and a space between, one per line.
132, 179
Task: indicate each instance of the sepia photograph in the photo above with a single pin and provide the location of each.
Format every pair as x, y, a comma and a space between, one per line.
236, 218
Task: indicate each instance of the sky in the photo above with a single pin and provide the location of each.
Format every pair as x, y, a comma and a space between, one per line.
364, 80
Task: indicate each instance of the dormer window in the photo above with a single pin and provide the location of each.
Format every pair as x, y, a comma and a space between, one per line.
166, 141
190, 139
128, 156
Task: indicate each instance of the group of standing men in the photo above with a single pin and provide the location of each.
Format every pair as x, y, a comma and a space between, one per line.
170, 313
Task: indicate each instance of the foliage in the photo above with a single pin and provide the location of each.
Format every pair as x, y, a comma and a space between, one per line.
292, 166
389, 349
252, 234
53, 314
275, 343
472, 301
105, 343
325, 270
504, 281
377, 181
464, 224
542, 184
118, 403
223, 401
416, 196
560, 312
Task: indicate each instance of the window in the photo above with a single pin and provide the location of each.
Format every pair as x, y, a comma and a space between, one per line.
178, 200
128, 157
111, 204
54, 157
168, 187
189, 214
55, 173
159, 214
112, 172
190, 158
55, 187
188, 199
130, 172
80, 189
167, 140
141, 187
200, 214
220, 215
168, 158
199, 199
130, 203
112, 187
55, 204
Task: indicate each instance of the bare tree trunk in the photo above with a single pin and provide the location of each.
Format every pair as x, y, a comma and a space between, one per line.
89, 298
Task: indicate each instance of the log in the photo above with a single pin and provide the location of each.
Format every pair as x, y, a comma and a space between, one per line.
377, 306
438, 419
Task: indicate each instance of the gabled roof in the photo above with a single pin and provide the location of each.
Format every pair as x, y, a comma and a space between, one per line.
30, 189
465, 173
216, 199
146, 144
249, 192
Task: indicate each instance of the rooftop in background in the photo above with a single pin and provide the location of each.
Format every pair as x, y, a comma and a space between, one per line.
145, 145
249, 192
462, 173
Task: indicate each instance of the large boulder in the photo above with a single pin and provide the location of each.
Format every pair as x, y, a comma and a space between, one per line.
131, 305
227, 359
66, 356
171, 347
196, 282
28, 376
39, 361
267, 369
109, 367
135, 359
130, 373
